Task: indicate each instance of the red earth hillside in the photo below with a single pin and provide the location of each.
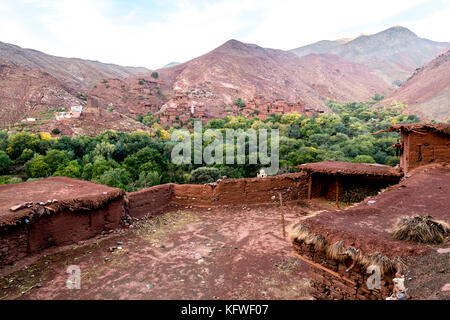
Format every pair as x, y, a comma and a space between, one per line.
427, 92
240, 70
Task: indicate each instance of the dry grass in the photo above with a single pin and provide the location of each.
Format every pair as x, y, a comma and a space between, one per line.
298, 232
156, 229
377, 259
337, 251
421, 229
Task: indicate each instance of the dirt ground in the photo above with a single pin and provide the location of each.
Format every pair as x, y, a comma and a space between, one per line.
428, 274
189, 253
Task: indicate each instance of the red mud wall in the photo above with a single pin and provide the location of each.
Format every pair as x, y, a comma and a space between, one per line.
261, 190
150, 201
62, 228
423, 149
226, 192
192, 195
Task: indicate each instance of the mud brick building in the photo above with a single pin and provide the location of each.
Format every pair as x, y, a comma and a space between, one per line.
423, 144
333, 179
53, 212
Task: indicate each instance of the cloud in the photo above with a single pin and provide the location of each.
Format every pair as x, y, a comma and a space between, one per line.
154, 33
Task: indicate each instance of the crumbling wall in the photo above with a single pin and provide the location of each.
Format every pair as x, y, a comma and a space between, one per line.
192, 195
13, 243
225, 192
62, 228
420, 149
337, 280
153, 200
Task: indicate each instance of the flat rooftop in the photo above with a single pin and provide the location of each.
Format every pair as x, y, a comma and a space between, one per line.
349, 168
62, 189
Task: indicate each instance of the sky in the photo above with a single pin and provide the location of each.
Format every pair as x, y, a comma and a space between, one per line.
154, 33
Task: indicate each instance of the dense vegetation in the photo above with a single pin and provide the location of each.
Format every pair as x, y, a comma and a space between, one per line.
141, 159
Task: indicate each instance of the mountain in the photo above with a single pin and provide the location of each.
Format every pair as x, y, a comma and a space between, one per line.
172, 64
30, 100
240, 70
134, 96
394, 53
76, 74
28, 93
427, 92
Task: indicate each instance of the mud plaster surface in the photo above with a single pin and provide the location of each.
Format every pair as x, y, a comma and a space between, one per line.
223, 253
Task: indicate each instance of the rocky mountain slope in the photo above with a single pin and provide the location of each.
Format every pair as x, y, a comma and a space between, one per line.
427, 92
239, 70
30, 93
394, 53
76, 74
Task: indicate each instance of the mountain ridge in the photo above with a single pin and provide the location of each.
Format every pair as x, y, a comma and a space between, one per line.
393, 53
77, 74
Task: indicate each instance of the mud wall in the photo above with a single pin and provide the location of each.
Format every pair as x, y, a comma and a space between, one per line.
153, 200
226, 192
62, 228
343, 284
422, 149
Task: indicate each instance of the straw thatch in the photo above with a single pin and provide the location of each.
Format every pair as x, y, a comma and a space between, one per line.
421, 229
300, 233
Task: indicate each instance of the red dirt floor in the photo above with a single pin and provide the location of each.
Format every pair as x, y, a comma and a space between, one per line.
218, 253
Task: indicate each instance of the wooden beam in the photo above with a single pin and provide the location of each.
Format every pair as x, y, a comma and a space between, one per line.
282, 214
337, 275
309, 186
381, 131
337, 192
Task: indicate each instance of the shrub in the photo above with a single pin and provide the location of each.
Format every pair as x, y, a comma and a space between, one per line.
378, 97
72, 170
155, 75
204, 175
5, 161
363, 159
9, 180
239, 102
27, 154
115, 177
37, 167
56, 131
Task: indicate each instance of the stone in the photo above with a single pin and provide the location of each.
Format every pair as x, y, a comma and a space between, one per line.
17, 207
446, 287
443, 250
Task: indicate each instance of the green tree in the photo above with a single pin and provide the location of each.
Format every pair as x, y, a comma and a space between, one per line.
55, 158
104, 149
5, 161
37, 167
72, 170
155, 75
115, 177
204, 175
363, 159
18, 142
